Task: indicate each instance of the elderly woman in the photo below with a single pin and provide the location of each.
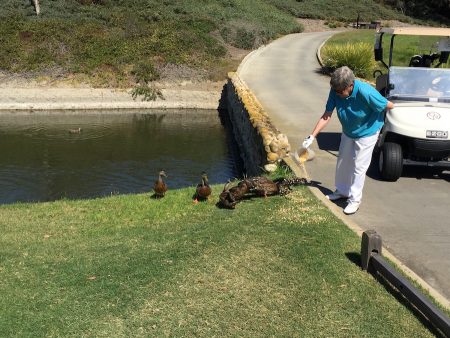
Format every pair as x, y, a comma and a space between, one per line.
360, 109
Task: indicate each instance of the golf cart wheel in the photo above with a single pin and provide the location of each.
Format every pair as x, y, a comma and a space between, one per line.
391, 161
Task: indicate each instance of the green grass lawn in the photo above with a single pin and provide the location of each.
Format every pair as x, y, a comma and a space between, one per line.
130, 266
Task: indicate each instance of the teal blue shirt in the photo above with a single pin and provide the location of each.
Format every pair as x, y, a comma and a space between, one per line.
362, 113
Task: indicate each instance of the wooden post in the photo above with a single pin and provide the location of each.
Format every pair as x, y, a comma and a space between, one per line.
370, 242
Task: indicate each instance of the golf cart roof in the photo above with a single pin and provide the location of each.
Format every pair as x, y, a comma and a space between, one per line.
431, 31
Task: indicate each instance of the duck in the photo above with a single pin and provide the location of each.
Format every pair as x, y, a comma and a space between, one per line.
75, 131
160, 187
262, 186
229, 197
203, 190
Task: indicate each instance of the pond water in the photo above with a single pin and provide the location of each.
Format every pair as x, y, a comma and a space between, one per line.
42, 159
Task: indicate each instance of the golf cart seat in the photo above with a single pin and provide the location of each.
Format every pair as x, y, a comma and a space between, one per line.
381, 84
416, 61
424, 60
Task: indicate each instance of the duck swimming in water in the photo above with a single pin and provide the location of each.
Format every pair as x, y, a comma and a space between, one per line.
160, 187
75, 131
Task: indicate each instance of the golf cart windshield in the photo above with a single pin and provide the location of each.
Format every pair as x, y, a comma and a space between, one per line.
419, 84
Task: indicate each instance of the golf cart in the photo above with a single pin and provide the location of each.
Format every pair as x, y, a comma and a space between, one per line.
416, 131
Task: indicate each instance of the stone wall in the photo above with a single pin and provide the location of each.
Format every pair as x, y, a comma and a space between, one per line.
260, 144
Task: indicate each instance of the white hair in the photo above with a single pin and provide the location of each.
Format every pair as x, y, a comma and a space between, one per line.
341, 78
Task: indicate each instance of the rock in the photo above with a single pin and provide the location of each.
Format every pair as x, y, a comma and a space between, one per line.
267, 140
274, 147
270, 167
272, 157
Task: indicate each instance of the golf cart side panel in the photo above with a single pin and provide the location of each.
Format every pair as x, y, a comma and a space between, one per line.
414, 121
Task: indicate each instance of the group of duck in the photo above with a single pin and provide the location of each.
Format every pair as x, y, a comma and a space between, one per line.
254, 186
202, 191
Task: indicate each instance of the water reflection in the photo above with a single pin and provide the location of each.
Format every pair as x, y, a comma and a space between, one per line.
114, 153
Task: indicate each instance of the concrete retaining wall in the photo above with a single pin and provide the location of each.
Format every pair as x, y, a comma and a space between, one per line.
261, 145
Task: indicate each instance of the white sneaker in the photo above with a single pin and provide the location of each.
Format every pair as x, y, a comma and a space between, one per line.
351, 208
335, 196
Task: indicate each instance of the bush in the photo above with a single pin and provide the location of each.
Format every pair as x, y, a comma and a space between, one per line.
244, 39
148, 92
358, 56
145, 72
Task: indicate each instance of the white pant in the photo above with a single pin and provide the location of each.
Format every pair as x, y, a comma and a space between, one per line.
352, 164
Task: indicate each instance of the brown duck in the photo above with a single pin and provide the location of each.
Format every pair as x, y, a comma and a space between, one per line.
160, 187
262, 186
229, 197
203, 189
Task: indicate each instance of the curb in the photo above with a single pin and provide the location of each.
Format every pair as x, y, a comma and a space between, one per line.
318, 55
104, 105
55, 98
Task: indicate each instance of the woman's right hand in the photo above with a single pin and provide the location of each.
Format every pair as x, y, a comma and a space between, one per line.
308, 141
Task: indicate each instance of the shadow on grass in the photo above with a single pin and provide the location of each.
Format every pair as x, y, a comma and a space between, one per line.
355, 258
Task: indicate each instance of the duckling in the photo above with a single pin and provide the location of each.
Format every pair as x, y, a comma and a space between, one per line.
75, 131
160, 187
203, 189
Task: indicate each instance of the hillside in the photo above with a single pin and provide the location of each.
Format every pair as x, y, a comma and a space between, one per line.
118, 43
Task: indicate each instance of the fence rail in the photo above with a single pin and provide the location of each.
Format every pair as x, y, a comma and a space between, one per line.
373, 262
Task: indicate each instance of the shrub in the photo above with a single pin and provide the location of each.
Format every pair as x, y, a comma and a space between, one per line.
244, 39
148, 92
358, 56
145, 72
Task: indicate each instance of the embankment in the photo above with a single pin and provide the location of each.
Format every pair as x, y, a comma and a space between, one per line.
261, 144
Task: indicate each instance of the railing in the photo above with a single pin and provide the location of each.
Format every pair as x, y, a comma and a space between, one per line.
373, 262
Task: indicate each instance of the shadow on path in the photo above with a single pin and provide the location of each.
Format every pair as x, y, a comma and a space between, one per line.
329, 141
417, 172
